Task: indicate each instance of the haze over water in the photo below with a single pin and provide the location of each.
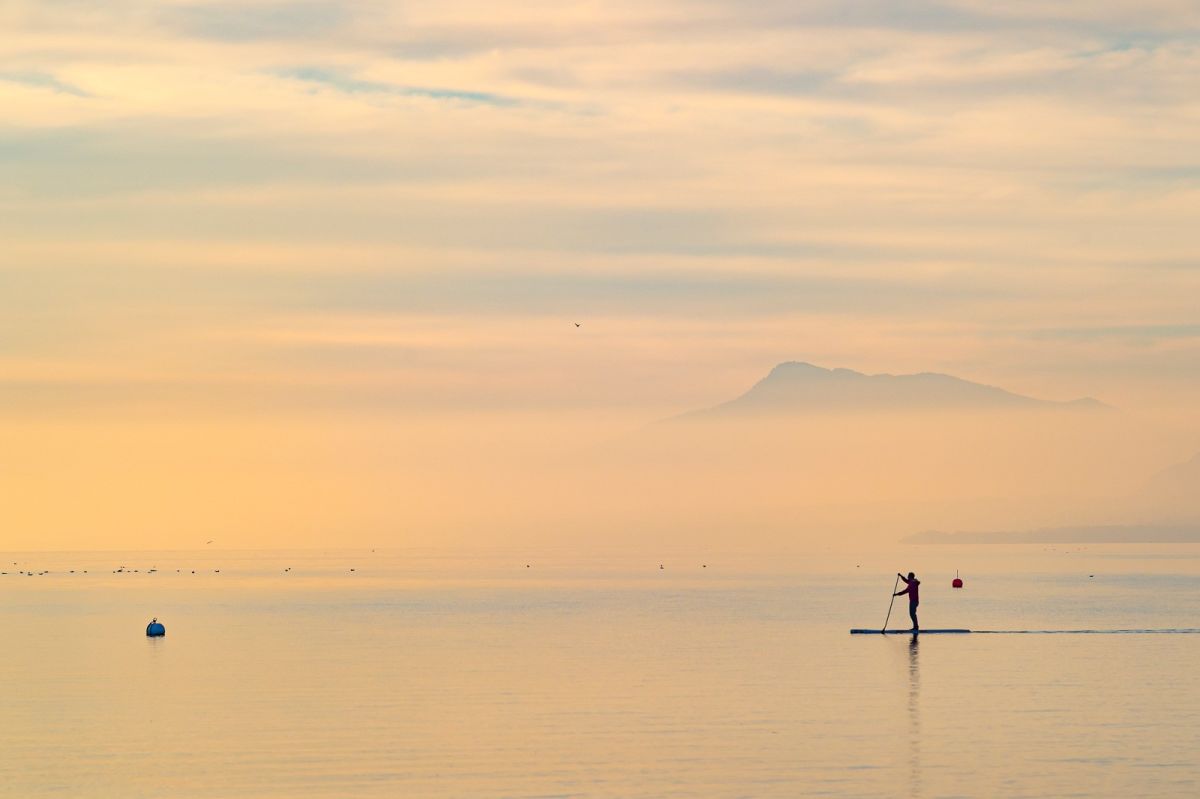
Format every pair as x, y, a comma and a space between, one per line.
434, 675
391, 347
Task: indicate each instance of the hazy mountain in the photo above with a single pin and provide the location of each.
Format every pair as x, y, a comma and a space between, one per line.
1175, 492
1182, 476
796, 387
1168, 506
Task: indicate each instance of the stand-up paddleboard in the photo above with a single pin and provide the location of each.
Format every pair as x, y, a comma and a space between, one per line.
905, 632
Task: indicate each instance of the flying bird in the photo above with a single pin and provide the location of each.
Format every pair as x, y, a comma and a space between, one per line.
576, 324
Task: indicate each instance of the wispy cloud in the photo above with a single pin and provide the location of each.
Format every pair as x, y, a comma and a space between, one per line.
349, 84
42, 80
1145, 332
933, 185
255, 20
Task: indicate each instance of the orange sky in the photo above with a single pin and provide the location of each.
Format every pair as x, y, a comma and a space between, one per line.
249, 246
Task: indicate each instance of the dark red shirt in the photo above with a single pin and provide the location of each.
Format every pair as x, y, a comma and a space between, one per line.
911, 590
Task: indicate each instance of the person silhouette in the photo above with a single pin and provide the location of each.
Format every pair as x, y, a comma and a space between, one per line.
912, 583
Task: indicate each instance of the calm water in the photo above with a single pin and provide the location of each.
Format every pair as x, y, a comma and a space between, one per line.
423, 676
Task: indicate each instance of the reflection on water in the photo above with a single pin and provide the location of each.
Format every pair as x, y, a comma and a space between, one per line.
293, 676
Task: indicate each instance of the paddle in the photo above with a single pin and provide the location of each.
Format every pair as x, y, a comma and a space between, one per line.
889, 616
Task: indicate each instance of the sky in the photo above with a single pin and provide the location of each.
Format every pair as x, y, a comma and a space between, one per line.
243, 239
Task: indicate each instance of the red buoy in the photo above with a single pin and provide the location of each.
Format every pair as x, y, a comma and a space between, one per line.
957, 580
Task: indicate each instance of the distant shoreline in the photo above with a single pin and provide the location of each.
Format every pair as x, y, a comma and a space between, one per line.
1100, 534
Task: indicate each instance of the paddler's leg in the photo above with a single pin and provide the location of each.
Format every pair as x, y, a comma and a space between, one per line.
912, 614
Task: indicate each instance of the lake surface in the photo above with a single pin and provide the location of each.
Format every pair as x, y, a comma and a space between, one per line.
419, 675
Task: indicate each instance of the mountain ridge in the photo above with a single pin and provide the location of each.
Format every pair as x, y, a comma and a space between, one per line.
794, 386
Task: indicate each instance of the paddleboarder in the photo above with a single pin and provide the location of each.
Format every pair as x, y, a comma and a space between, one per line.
913, 600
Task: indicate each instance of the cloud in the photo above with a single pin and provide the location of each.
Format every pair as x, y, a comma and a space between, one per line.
1148, 333
40, 80
255, 20
351, 85
941, 184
